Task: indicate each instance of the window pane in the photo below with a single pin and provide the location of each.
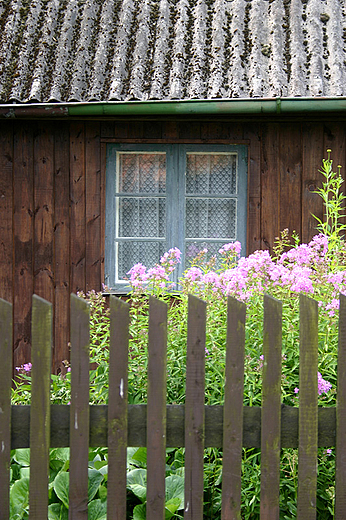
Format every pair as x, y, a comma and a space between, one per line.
193, 248
211, 218
142, 173
142, 217
130, 253
214, 174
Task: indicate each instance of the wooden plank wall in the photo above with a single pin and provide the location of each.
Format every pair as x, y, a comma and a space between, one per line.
52, 178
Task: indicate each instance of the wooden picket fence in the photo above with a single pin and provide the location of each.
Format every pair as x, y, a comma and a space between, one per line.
158, 426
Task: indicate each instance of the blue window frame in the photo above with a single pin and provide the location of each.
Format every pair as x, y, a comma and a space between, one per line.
190, 196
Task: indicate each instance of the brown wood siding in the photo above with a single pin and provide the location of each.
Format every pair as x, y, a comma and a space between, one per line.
52, 200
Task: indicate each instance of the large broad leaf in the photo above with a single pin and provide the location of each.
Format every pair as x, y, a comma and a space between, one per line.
175, 489
61, 487
171, 507
22, 456
139, 512
62, 454
95, 478
57, 512
140, 456
137, 483
97, 510
19, 498
24, 472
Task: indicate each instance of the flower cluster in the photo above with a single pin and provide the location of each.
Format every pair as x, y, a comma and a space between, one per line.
24, 369
157, 276
323, 386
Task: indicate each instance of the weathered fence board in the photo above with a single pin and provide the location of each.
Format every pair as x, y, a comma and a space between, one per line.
157, 426
79, 410
194, 409
271, 409
340, 460
233, 411
41, 357
308, 411
5, 406
175, 432
117, 408
156, 410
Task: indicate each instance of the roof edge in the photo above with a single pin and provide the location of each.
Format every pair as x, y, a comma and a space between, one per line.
237, 106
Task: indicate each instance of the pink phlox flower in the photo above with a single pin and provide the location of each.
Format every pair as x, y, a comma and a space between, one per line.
233, 247
172, 257
323, 385
194, 274
296, 390
211, 278
157, 273
137, 272
320, 244
300, 281
333, 305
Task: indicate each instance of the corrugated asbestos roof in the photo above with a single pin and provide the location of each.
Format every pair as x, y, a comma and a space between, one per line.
103, 50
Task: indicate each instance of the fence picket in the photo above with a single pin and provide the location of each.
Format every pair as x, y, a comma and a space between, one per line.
233, 411
340, 460
194, 409
41, 358
308, 411
117, 408
79, 409
5, 406
271, 410
156, 410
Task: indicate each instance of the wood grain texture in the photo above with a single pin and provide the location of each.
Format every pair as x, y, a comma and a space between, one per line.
93, 206
61, 247
252, 132
6, 213
340, 460
156, 410
117, 408
194, 409
44, 212
5, 406
79, 409
312, 144
233, 411
308, 411
137, 426
41, 354
103, 209
270, 186
271, 410
290, 169
23, 218
77, 211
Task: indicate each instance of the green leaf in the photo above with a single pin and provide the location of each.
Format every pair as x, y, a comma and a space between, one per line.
140, 455
22, 456
175, 489
19, 498
136, 482
24, 472
139, 512
97, 510
95, 478
61, 487
57, 512
171, 507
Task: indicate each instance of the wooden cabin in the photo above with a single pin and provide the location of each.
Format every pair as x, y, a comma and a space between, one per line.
131, 126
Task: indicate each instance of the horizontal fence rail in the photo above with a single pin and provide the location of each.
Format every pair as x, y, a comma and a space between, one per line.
158, 426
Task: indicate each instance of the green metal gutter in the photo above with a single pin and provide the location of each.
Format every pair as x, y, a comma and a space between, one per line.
263, 106
209, 107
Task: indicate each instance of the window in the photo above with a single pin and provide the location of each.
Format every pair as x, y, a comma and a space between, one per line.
162, 196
